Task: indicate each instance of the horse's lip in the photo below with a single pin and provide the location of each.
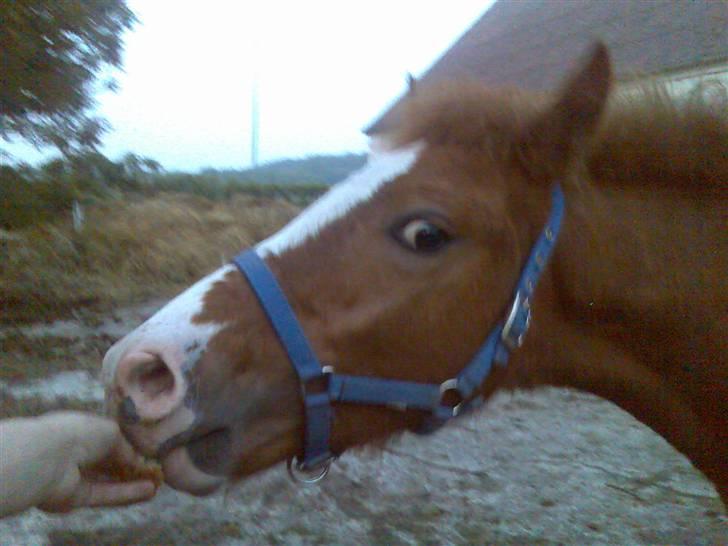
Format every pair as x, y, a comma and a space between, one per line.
184, 438
182, 474
213, 452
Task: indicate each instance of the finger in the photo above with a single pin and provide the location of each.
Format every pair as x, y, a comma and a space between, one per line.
121, 456
113, 494
92, 436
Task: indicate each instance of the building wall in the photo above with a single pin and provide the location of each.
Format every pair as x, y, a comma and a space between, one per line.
713, 79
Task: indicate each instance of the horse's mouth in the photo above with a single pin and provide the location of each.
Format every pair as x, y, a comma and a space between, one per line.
181, 473
211, 451
192, 461
196, 461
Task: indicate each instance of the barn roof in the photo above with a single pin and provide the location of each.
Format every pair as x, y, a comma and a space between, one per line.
533, 43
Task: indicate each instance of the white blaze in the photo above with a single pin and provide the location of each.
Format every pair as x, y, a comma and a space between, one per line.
357, 188
171, 331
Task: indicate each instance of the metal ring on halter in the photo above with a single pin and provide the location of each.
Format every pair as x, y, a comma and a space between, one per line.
451, 385
315, 475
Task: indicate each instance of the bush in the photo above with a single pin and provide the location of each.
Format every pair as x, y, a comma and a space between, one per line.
218, 187
31, 196
26, 201
129, 249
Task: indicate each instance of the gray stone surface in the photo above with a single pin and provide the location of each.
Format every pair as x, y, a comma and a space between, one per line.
549, 467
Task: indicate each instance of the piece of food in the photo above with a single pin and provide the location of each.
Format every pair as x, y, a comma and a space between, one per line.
125, 464
120, 471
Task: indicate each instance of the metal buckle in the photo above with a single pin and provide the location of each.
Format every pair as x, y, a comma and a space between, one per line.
450, 385
325, 372
318, 472
511, 342
308, 476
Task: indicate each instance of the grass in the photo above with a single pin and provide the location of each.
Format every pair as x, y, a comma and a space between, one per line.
127, 251
24, 358
30, 407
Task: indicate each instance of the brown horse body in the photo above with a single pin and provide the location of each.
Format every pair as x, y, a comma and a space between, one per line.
632, 307
635, 313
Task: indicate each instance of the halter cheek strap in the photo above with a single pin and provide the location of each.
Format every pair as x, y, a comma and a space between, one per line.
317, 406
320, 386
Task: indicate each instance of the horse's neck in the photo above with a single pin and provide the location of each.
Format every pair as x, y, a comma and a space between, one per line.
633, 311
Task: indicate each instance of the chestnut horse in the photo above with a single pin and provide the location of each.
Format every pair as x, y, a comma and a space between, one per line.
401, 272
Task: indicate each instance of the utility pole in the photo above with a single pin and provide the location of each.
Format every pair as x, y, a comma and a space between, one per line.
254, 118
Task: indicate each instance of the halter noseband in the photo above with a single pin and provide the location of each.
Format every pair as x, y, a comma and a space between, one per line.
321, 386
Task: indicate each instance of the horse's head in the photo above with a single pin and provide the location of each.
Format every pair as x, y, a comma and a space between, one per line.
398, 272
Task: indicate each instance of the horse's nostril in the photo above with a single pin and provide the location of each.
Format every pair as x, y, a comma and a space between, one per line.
153, 379
128, 412
148, 386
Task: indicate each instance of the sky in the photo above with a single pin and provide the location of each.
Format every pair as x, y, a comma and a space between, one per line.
324, 70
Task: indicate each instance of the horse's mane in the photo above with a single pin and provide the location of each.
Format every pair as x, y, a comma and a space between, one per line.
656, 140
647, 137
464, 113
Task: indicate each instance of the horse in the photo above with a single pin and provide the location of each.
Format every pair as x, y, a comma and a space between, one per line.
594, 220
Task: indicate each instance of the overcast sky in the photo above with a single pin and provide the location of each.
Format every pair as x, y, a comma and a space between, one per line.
325, 69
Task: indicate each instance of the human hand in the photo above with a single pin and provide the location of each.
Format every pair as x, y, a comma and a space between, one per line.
42, 458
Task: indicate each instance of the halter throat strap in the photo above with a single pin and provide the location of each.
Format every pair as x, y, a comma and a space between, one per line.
320, 386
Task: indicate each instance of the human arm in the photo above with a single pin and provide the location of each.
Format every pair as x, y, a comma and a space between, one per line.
41, 462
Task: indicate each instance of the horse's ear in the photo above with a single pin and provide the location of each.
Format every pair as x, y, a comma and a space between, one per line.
559, 134
411, 85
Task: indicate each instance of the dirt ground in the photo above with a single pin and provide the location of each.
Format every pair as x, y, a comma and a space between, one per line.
548, 467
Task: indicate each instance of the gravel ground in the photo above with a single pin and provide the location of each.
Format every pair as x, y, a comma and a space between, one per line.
547, 467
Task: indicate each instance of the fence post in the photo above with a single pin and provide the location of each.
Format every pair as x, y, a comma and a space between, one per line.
78, 217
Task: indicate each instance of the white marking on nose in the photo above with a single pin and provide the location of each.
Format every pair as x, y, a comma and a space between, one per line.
170, 332
339, 200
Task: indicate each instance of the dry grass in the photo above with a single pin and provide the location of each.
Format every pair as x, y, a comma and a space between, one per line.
31, 407
127, 251
24, 357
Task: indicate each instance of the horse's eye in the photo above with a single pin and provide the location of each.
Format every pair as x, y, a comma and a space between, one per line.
422, 236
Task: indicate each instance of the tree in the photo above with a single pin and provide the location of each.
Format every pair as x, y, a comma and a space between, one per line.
141, 169
51, 53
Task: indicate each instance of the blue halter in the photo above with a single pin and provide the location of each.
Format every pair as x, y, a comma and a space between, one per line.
320, 386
